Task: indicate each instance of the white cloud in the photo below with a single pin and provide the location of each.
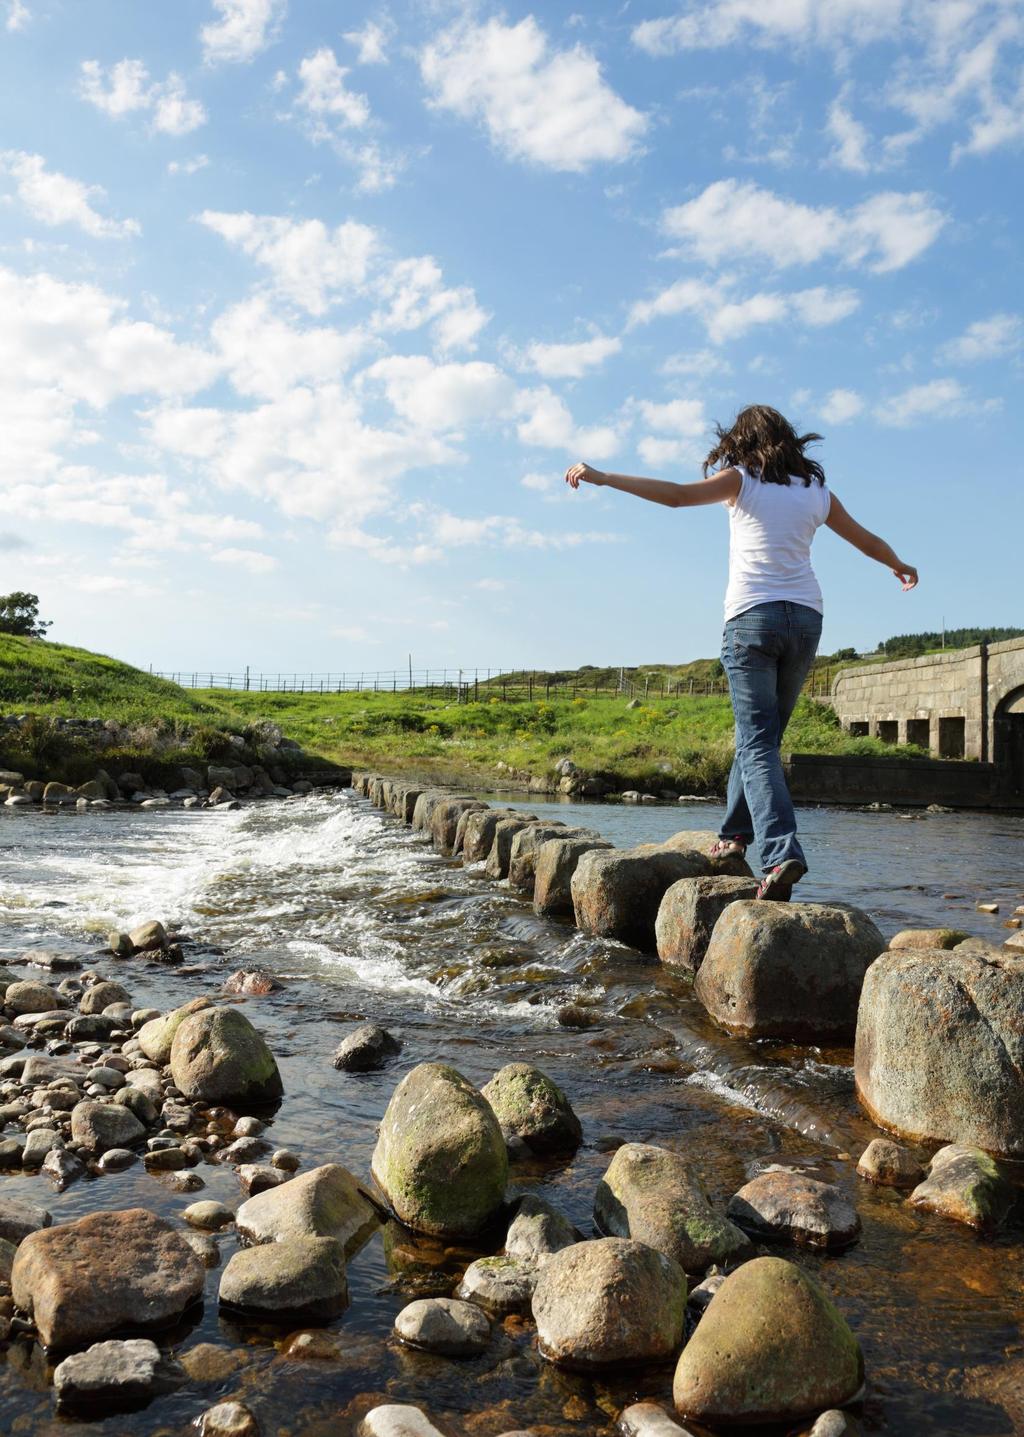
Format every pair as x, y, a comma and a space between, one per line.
940, 398
540, 483
702, 362
546, 422
413, 294
266, 356
727, 318
244, 29
324, 95
18, 16
850, 151
738, 220
442, 397
56, 199
252, 560
188, 167
491, 586
570, 361
546, 106
451, 531
770, 23
678, 424
371, 42
841, 405
126, 88
991, 338
308, 263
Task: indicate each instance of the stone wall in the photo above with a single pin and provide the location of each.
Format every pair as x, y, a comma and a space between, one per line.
962, 703
901, 780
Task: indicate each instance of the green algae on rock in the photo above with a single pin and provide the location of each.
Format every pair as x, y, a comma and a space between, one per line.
965, 1185
156, 1036
771, 1347
530, 1106
440, 1158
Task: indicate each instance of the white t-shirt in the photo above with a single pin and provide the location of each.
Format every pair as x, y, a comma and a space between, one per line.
771, 528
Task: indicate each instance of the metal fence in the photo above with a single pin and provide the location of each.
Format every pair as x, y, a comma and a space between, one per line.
469, 685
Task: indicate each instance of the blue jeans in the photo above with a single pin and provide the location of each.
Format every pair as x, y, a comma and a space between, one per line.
766, 653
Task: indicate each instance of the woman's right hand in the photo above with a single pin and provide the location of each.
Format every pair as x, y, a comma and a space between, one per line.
907, 575
581, 473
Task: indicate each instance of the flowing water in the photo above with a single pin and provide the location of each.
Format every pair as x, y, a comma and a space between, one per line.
363, 920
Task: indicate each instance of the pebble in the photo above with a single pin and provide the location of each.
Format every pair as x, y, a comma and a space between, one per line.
397, 1420
229, 1419
115, 1160
204, 1247
248, 1127
164, 1160
37, 1144
889, 1164
500, 1284
257, 1177
286, 1160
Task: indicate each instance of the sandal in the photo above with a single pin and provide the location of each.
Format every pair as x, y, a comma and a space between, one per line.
728, 848
778, 884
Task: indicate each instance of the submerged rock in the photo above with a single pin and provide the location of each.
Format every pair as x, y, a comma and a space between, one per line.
771, 1347
445, 1326
688, 914
441, 1159
940, 1047
366, 1048
650, 1195
787, 970
326, 1202
228, 1419
114, 1377
889, 1165
966, 1185
217, 1056
294, 1276
533, 1108
787, 1206
609, 1301
84, 1279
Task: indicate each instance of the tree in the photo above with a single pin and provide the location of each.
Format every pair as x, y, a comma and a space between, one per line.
19, 614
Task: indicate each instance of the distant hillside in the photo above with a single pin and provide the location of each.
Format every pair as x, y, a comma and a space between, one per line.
910, 645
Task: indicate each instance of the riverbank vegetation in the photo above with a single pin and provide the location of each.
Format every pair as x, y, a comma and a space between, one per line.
682, 741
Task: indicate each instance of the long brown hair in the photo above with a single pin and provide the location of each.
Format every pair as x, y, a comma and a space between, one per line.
763, 441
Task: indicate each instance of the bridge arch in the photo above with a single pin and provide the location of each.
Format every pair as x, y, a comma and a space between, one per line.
1008, 739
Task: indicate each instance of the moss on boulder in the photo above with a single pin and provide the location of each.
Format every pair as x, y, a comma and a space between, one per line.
533, 1108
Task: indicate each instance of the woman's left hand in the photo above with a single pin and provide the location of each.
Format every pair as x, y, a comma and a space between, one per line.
583, 474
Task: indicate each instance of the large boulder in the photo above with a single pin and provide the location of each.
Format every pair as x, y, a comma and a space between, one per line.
522, 856
156, 1036
478, 827
940, 1047
83, 1280
531, 1107
298, 1275
788, 970
326, 1202
771, 1347
500, 856
554, 867
609, 1301
650, 1195
440, 1158
424, 808
444, 822
616, 892
703, 840
688, 914
217, 1056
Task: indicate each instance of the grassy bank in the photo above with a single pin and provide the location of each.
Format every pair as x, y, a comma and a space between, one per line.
682, 742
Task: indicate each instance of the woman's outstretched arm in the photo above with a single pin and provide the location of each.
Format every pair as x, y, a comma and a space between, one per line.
720, 488
843, 524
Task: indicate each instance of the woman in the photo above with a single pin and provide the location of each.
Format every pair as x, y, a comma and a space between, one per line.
777, 500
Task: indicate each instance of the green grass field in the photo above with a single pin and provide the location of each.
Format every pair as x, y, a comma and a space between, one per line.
681, 741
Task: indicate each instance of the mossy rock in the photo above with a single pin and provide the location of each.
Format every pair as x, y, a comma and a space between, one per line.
771, 1347
441, 1159
156, 1036
533, 1108
217, 1056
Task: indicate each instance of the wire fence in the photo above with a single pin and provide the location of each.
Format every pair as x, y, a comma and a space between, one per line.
469, 685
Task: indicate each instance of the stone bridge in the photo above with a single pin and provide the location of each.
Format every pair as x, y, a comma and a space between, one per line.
958, 704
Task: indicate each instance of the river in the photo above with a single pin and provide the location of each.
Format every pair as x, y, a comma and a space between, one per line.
362, 920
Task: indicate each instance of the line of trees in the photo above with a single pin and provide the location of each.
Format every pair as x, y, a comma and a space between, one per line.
908, 645
19, 614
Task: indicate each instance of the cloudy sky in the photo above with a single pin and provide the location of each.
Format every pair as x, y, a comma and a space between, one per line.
305, 307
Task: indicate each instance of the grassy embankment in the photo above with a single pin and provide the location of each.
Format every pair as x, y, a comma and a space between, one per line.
681, 741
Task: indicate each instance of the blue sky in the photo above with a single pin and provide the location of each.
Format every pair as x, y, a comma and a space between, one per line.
307, 306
